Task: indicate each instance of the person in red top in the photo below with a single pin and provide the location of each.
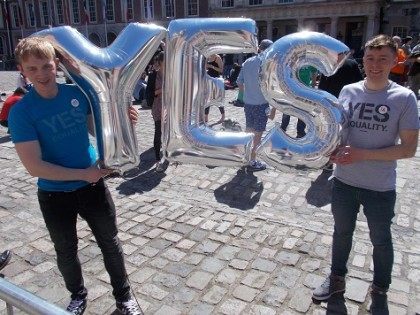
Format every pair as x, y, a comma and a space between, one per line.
8, 103
398, 71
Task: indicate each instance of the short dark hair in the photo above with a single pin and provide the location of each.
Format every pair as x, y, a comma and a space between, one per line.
381, 41
20, 90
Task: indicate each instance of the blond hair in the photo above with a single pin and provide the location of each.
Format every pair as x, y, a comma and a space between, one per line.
34, 46
380, 41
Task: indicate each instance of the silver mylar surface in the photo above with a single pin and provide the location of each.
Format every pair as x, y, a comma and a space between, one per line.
324, 117
107, 76
188, 90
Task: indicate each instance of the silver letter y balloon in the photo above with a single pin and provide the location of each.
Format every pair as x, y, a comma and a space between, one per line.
107, 76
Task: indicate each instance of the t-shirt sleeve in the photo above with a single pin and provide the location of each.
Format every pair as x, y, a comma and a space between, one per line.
410, 116
22, 128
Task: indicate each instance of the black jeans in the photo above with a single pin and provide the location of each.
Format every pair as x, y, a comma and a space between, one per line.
300, 127
157, 141
94, 204
378, 207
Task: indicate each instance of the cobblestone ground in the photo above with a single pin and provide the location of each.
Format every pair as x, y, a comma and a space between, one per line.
212, 241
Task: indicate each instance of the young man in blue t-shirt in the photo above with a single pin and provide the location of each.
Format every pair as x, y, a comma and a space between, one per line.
50, 127
380, 112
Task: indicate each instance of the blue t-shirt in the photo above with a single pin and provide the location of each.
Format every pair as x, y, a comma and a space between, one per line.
60, 126
249, 77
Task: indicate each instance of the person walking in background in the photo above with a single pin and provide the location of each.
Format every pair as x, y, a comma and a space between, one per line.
255, 105
414, 73
9, 103
50, 129
214, 67
380, 112
159, 67
307, 75
398, 71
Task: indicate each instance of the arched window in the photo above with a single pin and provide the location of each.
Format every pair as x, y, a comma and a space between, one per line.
94, 38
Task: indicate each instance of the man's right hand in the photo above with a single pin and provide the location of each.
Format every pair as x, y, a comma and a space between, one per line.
93, 173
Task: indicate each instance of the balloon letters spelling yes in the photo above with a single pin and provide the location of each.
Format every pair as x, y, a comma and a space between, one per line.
107, 76
188, 90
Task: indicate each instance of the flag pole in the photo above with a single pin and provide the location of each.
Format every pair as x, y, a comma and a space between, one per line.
8, 27
105, 24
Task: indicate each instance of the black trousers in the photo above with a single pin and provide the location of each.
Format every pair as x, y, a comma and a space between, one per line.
94, 204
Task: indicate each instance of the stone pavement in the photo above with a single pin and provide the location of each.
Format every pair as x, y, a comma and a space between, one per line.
218, 240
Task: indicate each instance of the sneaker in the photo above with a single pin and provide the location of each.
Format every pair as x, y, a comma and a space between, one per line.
159, 167
257, 165
129, 307
332, 285
77, 306
5, 258
329, 167
379, 304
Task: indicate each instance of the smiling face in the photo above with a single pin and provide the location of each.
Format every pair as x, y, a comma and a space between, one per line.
378, 63
42, 73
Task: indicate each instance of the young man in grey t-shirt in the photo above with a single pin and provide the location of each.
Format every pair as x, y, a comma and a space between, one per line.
380, 112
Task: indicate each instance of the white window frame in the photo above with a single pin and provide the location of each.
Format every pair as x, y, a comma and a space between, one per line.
75, 14
285, 1
110, 10
92, 9
42, 13
14, 14
227, 3
59, 7
255, 3
165, 5
187, 7
28, 14
145, 13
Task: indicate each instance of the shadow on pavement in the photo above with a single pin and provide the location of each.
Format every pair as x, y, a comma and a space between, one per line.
336, 305
319, 193
242, 192
147, 177
5, 139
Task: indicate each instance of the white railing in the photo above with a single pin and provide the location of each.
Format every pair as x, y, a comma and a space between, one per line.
15, 296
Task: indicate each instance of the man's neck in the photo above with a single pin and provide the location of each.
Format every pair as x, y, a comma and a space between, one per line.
376, 86
48, 94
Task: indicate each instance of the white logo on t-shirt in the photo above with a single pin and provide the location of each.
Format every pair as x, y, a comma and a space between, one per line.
383, 110
74, 102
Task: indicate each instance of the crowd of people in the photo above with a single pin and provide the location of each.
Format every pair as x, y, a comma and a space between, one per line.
365, 173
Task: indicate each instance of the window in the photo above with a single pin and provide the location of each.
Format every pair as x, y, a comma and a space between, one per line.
192, 7
169, 9
44, 12
109, 10
400, 31
227, 3
148, 9
91, 6
30, 13
16, 16
255, 2
59, 11
75, 11
130, 11
285, 1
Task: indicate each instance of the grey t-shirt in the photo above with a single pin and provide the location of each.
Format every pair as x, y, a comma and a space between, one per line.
375, 119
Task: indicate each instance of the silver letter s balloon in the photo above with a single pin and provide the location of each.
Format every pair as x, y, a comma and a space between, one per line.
320, 110
107, 76
188, 90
